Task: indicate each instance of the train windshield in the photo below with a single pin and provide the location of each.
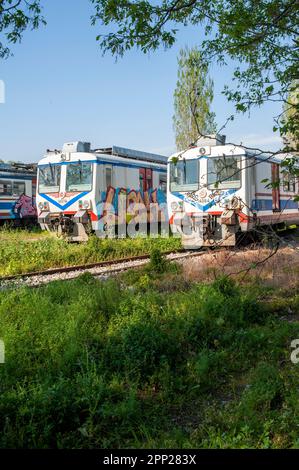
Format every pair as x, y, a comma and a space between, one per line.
224, 173
184, 175
79, 177
49, 178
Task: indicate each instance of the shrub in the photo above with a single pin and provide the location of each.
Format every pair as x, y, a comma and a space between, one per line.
157, 261
265, 389
119, 363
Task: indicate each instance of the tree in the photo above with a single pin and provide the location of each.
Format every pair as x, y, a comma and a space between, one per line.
15, 17
192, 99
261, 36
290, 118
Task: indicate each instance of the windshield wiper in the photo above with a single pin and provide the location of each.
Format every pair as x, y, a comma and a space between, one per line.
80, 170
52, 173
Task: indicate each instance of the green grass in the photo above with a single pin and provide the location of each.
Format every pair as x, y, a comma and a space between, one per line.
22, 251
147, 360
9, 233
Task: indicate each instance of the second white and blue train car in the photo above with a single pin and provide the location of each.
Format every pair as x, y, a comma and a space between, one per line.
217, 191
78, 186
17, 194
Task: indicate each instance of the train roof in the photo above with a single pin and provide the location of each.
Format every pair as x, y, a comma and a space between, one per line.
231, 150
18, 168
82, 151
132, 154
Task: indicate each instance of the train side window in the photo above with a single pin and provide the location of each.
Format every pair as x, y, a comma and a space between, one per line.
289, 183
108, 176
19, 188
5, 188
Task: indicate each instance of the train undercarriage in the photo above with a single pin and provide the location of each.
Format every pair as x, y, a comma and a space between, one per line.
74, 227
199, 230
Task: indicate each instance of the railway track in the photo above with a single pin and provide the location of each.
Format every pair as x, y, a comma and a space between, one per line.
100, 269
104, 269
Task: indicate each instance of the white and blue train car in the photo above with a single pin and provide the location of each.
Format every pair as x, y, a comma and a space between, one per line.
218, 191
17, 194
78, 188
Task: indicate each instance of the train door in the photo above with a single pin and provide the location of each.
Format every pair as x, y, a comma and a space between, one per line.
275, 188
142, 179
24, 188
146, 179
149, 179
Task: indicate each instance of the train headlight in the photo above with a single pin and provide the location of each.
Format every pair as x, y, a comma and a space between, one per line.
44, 206
84, 205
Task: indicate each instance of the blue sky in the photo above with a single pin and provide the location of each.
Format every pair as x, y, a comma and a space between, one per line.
59, 88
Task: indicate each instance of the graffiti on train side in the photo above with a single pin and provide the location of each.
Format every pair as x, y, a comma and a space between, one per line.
25, 207
201, 196
130, 202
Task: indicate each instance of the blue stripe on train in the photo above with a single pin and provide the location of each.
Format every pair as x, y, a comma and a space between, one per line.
112, 162
16, 177
6, 205
266, 204
207, 206
68, 204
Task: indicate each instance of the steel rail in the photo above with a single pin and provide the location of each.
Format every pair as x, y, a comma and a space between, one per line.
82, 267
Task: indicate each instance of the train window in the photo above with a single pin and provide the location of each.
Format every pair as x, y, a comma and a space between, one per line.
224, 173
289, 183
19, 188
5, 188
108, 176
79, 177
184, 175
49, 178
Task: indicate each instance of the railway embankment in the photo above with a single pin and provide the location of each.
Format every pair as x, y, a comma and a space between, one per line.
153, 357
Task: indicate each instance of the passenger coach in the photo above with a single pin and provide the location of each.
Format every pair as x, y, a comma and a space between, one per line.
17, 194
83, 191
217, 191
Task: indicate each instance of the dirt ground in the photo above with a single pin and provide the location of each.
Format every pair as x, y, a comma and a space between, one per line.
279, 268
